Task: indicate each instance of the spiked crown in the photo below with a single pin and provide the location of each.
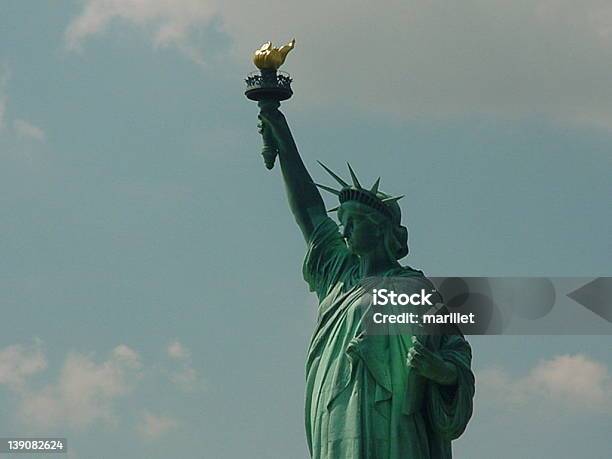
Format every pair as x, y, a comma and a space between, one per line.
383, 203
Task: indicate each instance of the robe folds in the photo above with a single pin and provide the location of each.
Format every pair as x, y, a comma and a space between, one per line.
362, 400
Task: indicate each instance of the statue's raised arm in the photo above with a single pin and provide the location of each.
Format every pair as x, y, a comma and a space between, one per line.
269, 87
304, 198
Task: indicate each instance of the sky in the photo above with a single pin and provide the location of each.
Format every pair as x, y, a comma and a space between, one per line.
151, 277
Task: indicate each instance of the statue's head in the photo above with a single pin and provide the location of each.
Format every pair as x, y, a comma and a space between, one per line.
370, 218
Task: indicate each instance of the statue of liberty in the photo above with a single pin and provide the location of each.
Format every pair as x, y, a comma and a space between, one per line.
390, 396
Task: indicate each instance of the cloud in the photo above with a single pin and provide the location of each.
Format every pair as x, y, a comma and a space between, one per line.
573, 382
27, 130
17, 363
170, 23
410, 59
153, 426
85, 392
127, 355
88, 391
177, 351
186, 377
428, 59
22, 128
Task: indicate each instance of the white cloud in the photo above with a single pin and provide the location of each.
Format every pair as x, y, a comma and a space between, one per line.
17, 363
153, 426
27, 130
574, 377
177, 351
412, 59
170, 23
186, 377
435, 59
128, 355
566, 381
22, 128
85, 392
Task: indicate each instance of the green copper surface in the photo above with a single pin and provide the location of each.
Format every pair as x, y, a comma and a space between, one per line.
367, 397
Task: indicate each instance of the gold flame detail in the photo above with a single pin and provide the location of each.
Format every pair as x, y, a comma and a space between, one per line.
270, 58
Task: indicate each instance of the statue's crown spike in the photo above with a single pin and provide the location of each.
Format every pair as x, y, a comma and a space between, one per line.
354, 177
374, 188
338, 179
392, 199
328, 189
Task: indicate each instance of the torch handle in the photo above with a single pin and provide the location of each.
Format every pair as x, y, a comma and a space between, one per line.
269, 154
269, 150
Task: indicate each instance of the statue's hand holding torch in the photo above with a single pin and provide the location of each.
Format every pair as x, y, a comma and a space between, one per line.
266, 127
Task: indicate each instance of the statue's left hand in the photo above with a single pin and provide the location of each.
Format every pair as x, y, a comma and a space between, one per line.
430, 365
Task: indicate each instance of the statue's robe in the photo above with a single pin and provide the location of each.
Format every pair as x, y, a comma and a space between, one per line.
362, 399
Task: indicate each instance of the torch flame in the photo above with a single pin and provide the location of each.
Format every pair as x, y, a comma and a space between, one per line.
270, 58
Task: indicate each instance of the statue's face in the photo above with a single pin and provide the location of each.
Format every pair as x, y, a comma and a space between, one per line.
361, 233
